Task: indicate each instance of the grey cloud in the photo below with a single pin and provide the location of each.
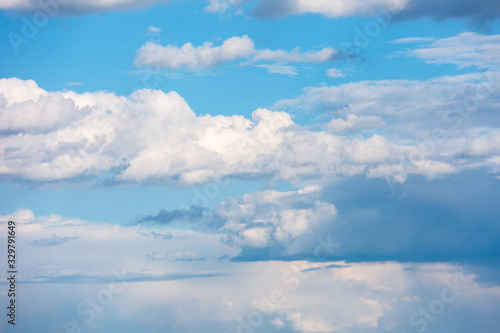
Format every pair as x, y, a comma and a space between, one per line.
270, 8
74, 7
478, 12
178, 215
130, 277
54, 240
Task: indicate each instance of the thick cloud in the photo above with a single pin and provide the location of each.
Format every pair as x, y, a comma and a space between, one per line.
477, 11
155, 136
443, 115
336, 8
125, 276
357, 219
452, 219
287, 223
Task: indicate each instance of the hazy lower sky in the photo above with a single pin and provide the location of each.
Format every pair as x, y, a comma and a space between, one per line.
252, 165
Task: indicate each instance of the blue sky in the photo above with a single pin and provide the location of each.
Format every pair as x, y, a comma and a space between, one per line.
252, 165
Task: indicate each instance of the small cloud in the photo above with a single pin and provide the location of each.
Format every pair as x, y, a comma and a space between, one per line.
231, 7
54, 240
413, 40
278, 323
71, 84
279, 69
335, 73
153, 31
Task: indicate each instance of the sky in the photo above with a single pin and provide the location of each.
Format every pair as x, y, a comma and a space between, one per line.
251, 165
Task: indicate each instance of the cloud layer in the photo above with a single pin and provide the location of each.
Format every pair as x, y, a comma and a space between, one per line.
122, 271
477, 11
153, 135
434, 127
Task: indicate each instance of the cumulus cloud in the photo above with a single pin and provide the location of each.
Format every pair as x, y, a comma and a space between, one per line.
363, 219
232, 49
415, 107
155, 136
188, 56
286, 223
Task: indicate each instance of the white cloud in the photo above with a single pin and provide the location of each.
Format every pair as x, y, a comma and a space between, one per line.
226, 296
234, 48
354, 123
287, 222
295, 55
152, 135
188, 56
335, 73
279, 69
154, 30
464, 50
414, 106
223, 6
413, 40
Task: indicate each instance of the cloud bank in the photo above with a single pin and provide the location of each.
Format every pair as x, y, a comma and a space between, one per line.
478, 12
153, 135
123, 270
